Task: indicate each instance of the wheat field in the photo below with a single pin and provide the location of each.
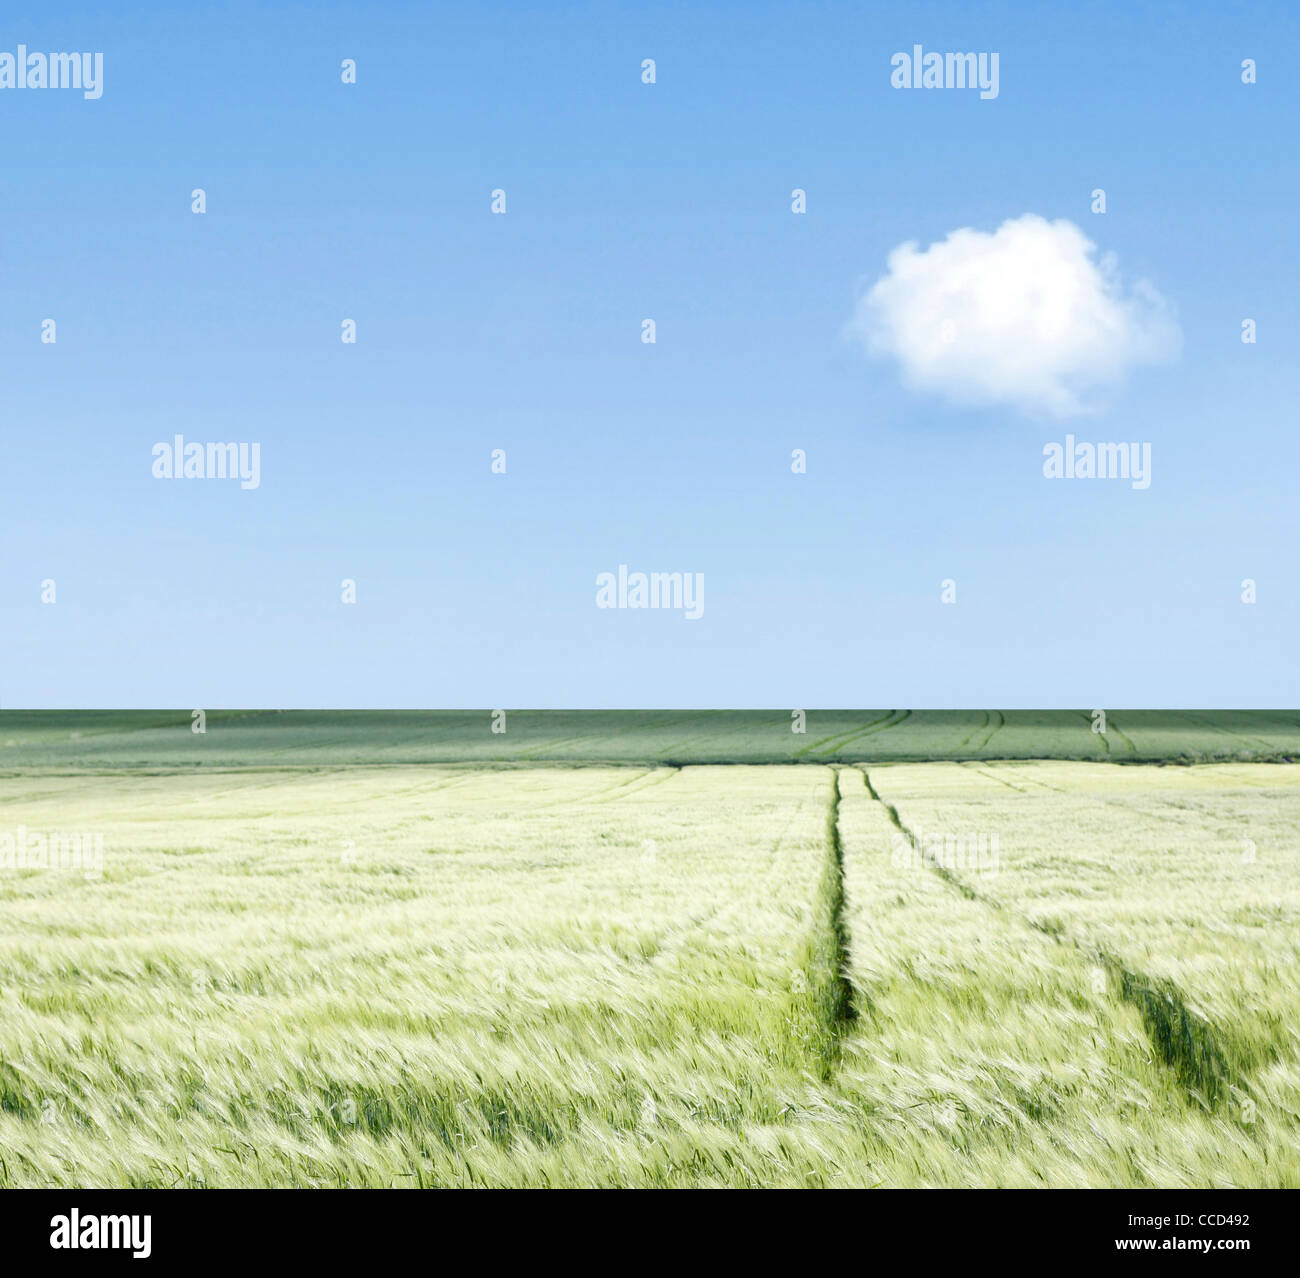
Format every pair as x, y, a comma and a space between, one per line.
986, 973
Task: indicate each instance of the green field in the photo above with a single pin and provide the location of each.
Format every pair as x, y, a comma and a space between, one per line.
243, 738
367, 950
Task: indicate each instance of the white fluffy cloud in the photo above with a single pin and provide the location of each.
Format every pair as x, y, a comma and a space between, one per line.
1027, 316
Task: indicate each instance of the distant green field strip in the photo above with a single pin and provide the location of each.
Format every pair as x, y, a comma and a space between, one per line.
121, 740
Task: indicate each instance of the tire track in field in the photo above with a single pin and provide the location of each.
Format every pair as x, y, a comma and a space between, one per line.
422, 787
1178, 816
682, 936
979, 727
620, 789
972, 766
1101, 736
1257, 743
828, 992
837, 743
839, 1008
544, 751
678, 748
998, 719
603, 792
840, 736
1111, 726
1185, 1042
776, 864
312, 749
656, 776
989, 722
533, 752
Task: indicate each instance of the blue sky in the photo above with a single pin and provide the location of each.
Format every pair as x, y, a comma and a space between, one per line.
476, 331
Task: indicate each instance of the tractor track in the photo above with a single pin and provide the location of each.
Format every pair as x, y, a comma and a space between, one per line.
1185, 1042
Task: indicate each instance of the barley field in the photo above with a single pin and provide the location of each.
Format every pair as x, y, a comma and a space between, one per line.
865, 971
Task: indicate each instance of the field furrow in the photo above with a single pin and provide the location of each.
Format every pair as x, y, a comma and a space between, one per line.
1182, 916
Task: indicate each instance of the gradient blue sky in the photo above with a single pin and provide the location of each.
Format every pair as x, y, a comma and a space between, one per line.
522, 332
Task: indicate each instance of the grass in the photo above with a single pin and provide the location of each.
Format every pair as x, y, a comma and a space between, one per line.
297, 972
